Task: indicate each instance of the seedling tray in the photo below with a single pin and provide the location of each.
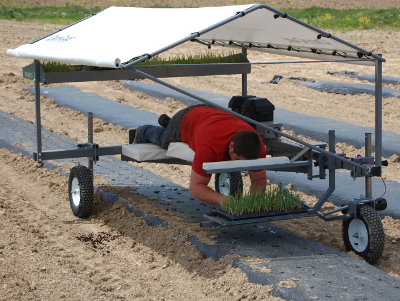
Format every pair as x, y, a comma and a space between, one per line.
121, 74
231, 217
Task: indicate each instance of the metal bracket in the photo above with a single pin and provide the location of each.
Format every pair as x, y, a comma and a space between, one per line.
93, 146
353, 205
266, 134
306, 149
326, 215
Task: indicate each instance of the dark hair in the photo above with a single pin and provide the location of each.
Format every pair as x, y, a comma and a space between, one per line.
247, 144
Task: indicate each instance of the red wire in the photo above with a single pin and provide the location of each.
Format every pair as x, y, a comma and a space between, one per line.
384, 184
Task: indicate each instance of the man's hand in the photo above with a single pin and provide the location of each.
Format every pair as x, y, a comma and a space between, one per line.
258, 180
199, 188
227, 198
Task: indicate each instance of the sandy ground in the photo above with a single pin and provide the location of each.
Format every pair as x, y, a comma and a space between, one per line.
48, 254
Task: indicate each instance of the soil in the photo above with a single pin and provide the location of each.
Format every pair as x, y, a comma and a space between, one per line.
48, 254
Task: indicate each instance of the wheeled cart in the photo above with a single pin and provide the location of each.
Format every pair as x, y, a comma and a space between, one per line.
246, 27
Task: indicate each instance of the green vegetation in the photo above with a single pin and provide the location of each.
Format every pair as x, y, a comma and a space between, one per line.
60, 67
349, 19
47, 14
161, 6
274, 199
203, 58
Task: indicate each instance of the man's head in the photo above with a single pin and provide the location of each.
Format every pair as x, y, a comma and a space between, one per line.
244, 145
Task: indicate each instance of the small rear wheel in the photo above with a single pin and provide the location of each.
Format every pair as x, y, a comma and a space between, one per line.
80, 191
365, 235
229, 183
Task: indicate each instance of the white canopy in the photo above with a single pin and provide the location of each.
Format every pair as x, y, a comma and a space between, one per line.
119, 34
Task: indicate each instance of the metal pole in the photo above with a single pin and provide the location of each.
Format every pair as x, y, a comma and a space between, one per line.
244, 75
37, 110
90, 139
378, 113
332, 169
368, 153
331, 172
370, 62
90, 127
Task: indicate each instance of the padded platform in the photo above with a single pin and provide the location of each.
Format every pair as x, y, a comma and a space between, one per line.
179, 150
151, 152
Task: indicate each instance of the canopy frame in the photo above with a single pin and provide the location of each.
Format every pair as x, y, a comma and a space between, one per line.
278, 14
254, 36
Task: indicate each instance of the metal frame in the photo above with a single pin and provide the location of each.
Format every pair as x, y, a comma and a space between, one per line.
159, 71
334, 161
325, 159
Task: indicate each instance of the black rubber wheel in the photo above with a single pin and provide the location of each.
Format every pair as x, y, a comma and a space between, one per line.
229, 183
80, 191
364, 235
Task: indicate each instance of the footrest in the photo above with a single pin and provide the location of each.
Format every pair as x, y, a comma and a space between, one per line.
144, 152
243, 165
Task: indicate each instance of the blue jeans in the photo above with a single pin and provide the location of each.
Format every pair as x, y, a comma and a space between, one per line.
163, 136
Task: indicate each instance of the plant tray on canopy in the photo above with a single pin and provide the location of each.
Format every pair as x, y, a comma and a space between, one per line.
60, 73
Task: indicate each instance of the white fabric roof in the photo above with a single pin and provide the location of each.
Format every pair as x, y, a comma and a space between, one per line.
119, 34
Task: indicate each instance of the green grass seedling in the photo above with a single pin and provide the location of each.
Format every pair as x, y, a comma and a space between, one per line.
273, 199
209, 57
204, 58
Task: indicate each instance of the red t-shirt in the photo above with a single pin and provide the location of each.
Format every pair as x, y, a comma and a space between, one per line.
208, 131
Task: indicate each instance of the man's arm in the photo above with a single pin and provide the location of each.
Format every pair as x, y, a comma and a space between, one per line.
258, 180
199, 189
199, 186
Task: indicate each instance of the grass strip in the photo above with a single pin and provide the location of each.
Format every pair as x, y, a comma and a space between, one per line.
204, 58
208, 57
273, 199
349, 19
47, 14
334, 19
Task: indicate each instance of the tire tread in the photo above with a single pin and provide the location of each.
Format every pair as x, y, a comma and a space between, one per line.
85, 179
376, 233
236, 183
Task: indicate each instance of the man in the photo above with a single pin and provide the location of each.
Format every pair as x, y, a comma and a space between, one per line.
214, 135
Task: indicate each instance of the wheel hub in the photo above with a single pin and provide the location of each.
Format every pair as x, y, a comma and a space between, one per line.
75, 192
358, 235
224, 184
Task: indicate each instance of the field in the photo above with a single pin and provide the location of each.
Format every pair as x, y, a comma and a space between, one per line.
48, 254
280, 4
